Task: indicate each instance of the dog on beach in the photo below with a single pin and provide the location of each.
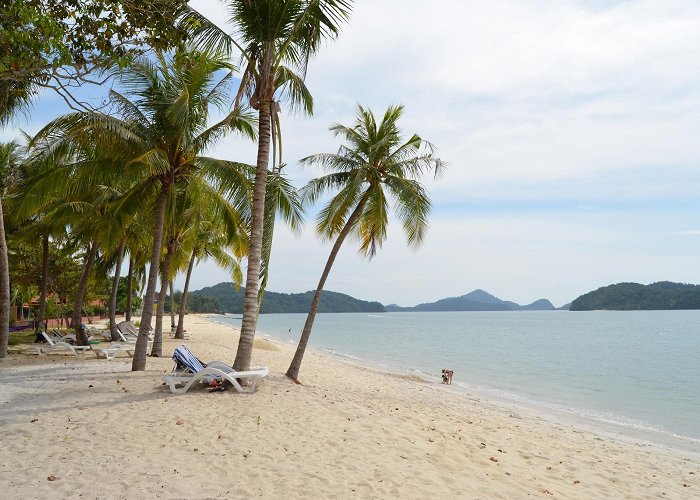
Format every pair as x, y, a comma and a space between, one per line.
447, 376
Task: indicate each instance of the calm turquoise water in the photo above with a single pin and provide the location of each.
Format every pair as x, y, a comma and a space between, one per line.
639, 370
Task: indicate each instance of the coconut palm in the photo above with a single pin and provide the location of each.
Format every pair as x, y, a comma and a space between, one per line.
15, 97
158, 140
375, 165
214, 230
276, 39
10, 160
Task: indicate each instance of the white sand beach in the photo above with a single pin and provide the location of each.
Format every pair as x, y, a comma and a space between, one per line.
82, 427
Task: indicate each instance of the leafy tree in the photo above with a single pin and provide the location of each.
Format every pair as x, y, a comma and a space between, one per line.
62, 44
276, 39
122, 295
374, 166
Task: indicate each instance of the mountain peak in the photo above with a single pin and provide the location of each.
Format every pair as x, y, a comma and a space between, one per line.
482, 296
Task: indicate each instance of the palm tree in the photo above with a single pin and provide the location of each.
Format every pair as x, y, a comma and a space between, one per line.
374, 166
214, 232
15, 97
276, 39
158, 142
10, 159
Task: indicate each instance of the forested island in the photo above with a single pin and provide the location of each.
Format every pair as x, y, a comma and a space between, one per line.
478, 300
225, 297
663, 295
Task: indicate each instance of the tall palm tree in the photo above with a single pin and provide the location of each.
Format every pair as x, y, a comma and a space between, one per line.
15, 97
158, 140
10, 159
375, 165
276, 39
216, 231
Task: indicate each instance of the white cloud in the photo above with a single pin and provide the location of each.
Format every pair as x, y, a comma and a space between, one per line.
570, 127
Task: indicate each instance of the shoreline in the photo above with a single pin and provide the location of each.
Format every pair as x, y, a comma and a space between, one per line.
659, 439
103, 431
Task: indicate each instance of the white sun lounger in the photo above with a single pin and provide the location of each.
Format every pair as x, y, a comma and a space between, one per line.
111, 352
216, 369
193, 371
52, 345
128, 338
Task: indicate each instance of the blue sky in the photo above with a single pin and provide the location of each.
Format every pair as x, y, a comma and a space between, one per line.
570, 127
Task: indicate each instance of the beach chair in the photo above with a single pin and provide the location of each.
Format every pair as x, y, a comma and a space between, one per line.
111, 352
130, 338
189, 370
52, 345
129, 328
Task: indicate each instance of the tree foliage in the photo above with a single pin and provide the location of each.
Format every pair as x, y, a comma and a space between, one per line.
633, 296
61, 43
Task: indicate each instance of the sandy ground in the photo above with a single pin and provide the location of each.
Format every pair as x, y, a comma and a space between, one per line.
82, 427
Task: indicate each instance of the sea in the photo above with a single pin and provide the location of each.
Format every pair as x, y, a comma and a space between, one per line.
632, 373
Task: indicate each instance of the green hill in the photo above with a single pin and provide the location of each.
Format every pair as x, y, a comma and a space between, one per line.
633, 296
478, 300
230, 300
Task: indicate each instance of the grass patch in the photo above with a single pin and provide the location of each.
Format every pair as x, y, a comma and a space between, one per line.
23, 337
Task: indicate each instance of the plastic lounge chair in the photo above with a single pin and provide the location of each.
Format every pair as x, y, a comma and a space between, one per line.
129, 328
56, 336
189, 370
130, 338
53, 345
111, 352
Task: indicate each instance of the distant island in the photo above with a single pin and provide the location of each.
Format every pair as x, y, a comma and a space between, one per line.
663, 295
225, 297
478, 300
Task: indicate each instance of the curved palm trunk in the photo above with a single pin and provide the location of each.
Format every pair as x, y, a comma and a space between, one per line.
113, 296
42, 286
157, 349
180, 333
293, 370
250, 302
80, 335
141, 348
129, 288
4, 289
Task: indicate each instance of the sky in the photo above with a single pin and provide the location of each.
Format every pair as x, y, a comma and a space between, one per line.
570, 128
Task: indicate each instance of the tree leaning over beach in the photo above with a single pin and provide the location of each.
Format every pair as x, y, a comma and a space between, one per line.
276, 38
372, 167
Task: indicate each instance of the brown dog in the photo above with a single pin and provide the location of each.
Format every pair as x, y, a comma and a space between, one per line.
447, 376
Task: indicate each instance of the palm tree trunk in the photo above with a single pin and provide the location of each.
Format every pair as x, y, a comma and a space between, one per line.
113, 296
4, 289
80, 335
180, 333
293, 370
141, 348
172, 307
250, 301
129, 288
44, 280
157, 349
